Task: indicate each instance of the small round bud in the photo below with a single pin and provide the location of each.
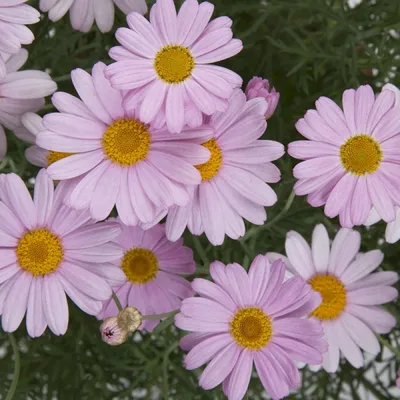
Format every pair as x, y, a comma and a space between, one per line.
112, 333
129, 319
259, 87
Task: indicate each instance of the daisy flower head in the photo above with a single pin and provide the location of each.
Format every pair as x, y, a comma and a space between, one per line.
350, 311
49, 251
83, 13
233, 180
152, 266
392, 234
20, 92
242, 318
14, 15
164, 63
351, 156
121, 160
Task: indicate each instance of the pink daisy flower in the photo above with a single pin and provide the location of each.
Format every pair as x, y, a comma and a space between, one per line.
392, 234
83, 13
164, 63
121, 160
20, 92
233, 180
48, 251
14, 15
351, 293
351, 156
152, 266
244, 318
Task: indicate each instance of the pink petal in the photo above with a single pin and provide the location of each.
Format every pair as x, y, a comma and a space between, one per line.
85, 281
220, 367
21, 200
348, 101
320, 248
206, 350
35, 318
383, 103
55, 304
43, 197
372, 295
345, 247
380, 198
76, 165
362, 266
363, 102
230, 49
16, 303
315, 167
388, 126
304, 149
204, 12
240, 376
340, 195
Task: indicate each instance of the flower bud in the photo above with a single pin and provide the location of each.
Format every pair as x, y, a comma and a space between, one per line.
258, 87
129, 319
112, 333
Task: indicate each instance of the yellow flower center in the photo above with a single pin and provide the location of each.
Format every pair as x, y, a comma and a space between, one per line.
40, 252
251, 328
140, 265
360, 155
333, 295
209, 169
126, 142
174, 64
54, 156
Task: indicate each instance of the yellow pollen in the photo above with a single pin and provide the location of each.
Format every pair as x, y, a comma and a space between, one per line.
54, 156
126, 142
333, 295
140, 265
251, 328
174, 64
40, 252
209, 169
361, 155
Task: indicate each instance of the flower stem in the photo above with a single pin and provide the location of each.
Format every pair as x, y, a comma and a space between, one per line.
258, 229
384, 342
117, 302
160, 316
17, 367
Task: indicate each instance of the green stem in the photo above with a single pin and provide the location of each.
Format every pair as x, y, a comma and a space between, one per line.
117, 302
258, 229
384, 342
17, 366
160, 316
199, 248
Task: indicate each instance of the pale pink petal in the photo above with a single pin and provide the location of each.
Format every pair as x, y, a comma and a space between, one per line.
363, 102
103, 253
340, 195
388, 126
9, 222
345, 246
85, 281
16, 302
315, 167
383, 103
76, 165
51, 141
230, 49
332, 356
305, 149
66, 103
206, 350
372, 295
239, 378
190, 324
362, 266
299, 254
21, 200
360, 333
320, 248
35, 318
379, 320
350, 350
333, 115
220, 366
105, 193
380, 198
43, 197
153, 101
204, 12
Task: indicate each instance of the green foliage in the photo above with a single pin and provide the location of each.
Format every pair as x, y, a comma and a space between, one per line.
307, 48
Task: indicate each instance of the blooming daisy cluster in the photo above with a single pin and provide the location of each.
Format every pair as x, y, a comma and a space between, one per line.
160, 140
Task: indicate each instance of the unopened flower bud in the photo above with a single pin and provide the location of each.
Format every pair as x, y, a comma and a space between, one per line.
129, 319
112, 333
258, 87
